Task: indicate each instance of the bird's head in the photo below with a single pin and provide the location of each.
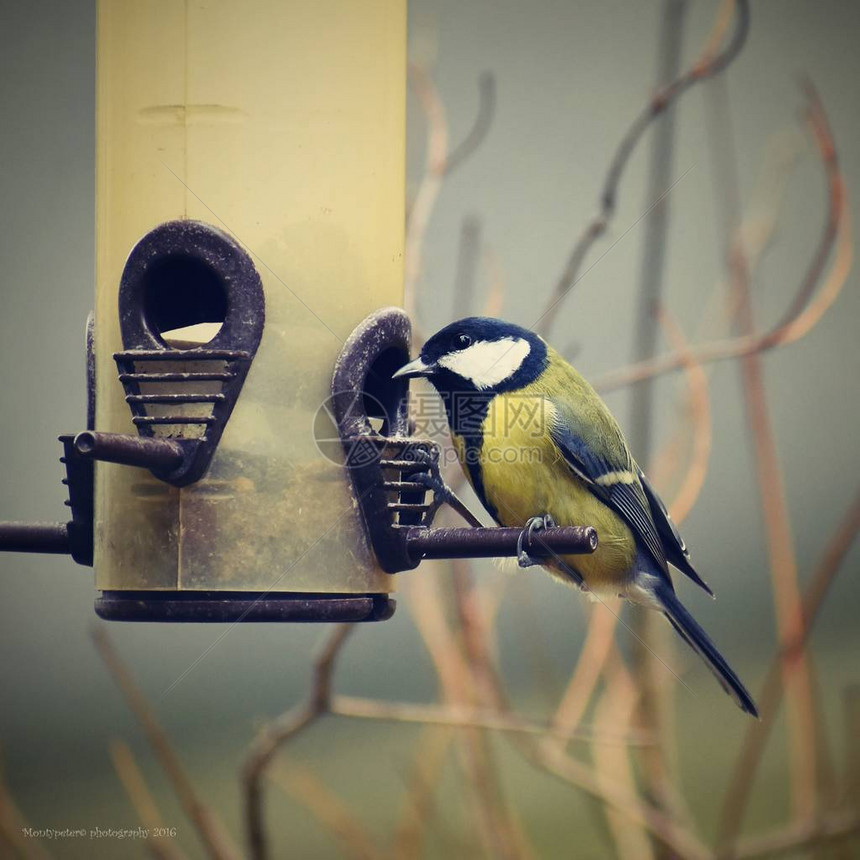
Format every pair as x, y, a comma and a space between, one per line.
479, 354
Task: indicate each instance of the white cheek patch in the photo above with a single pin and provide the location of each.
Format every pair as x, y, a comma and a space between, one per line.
487, 363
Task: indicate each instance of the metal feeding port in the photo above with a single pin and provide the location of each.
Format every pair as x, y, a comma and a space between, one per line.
396, 478
180, 275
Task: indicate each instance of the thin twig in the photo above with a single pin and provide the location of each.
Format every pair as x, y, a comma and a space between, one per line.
755, 740
473, 718
801, 709
837, 231
468, 255
455, 678
307, 789
851, 729
700, 409
708, 65
431, 181
438, 163
685, 843
616, 709
505, 838
273, 736
599, 642
13, 826
655, 699
797, 837
161, 847
496, 291
209, 828
419, 807
479, 131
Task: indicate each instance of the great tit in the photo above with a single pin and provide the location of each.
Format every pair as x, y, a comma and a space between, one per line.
539, 446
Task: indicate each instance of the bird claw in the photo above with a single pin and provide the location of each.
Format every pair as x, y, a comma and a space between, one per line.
533, 524
442, 493
434, 482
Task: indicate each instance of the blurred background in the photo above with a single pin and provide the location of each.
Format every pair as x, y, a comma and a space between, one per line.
569, 79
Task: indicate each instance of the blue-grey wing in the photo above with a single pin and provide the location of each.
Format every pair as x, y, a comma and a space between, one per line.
613, 477
673, 543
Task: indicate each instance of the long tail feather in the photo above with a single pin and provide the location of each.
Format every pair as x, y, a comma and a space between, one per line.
690, 631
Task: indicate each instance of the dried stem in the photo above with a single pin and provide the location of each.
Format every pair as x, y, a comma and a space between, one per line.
419, 807
616, 709
438, 163
700, 408
209, 828
755, 740
656, 228
802, 716
654, 702
851, 775
796, 837
599, 643
12, 826
468, 256
455, 677
708, 65
505, 837
809, 311
473, 718
143, 802
431, 180
448, 664
273, 736
305, 788
683, 842
479, 131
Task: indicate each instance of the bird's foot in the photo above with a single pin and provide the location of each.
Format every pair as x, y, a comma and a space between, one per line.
433, 481
534, 524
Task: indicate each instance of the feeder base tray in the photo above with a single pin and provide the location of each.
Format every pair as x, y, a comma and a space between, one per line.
228, 607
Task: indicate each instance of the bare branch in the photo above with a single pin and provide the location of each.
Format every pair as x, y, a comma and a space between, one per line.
305, 788
468, 255
802, 716
419, 807
143, 802
273, 736
209, 828
616, 709
700, 407
707, 66
474, 718
797, 837
769, 700
789, 330
685, 844
483, 121
599, 642
438, 163
431, 180
12, 826
505, 838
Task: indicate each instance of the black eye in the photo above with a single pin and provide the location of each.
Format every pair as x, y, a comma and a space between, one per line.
463, 340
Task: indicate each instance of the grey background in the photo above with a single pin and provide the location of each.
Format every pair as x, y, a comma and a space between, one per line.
570, 77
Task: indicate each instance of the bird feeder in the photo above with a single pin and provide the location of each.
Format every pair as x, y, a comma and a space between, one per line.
250, 198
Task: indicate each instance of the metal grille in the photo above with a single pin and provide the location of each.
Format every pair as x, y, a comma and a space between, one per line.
186, 402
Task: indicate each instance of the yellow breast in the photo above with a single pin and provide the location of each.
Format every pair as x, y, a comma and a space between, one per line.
524, 475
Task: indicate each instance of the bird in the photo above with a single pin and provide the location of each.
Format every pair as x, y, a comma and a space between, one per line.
540, 447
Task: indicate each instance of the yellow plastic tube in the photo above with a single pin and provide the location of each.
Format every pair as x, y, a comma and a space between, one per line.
282, 123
